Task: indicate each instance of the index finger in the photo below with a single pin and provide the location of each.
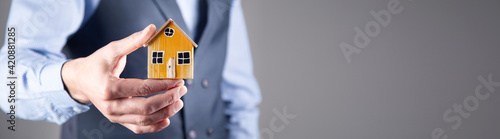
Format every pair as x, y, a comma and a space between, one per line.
129, 44
136, 87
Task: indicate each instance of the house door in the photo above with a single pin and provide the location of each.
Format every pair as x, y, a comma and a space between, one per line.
171, 68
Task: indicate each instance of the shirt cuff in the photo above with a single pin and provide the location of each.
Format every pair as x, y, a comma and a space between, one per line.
51, 79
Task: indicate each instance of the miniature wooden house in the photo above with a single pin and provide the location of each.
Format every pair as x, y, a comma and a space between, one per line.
170, 53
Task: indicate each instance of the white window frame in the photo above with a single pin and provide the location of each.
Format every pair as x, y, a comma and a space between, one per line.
177, 59
162, 57
173, 31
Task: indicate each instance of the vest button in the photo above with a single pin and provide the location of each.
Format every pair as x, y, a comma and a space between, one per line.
192, 134
189, 83
205, 83
210, 131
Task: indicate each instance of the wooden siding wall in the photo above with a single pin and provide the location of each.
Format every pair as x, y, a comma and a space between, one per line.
170, 46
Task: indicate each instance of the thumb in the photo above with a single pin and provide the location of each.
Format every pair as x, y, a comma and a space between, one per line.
131, 43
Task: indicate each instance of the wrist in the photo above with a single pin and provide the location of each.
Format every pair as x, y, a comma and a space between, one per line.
69, 77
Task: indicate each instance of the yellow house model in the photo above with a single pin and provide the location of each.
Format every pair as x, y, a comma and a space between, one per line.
170, 53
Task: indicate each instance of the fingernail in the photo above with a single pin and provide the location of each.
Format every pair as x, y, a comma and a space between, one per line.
178, 105
147, 28
182, 82
179, 83
182, 91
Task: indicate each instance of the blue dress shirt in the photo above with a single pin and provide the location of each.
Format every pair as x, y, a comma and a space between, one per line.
42, 30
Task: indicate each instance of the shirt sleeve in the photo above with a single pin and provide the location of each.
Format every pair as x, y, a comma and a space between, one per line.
42, 28
239, 86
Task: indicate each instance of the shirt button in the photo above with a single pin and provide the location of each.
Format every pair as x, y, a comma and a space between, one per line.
76, 109
210, 131
192, 134
189, 83
205, 83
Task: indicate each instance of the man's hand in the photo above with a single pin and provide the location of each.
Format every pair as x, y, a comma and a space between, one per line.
95, 79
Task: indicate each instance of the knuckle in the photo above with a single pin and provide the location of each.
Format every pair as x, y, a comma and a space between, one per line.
136, 130
154, 128
114, 48
148, 109
107, 95
175, 96
110, 89
171, 99
145, 89
132, 39
144, 120
169, 113
108, 109
165, 113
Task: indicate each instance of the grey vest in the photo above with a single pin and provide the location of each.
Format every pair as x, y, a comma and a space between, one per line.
203, 113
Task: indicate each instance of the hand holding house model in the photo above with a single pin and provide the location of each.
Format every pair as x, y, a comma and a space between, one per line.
170, 53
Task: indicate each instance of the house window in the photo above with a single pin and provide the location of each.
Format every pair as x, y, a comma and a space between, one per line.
157, 57
184, 58
169, 32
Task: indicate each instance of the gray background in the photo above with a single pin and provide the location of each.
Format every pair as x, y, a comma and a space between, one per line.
426, 60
